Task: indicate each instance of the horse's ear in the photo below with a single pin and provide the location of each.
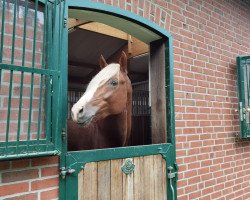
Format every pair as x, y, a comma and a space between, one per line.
123, 62
102, 62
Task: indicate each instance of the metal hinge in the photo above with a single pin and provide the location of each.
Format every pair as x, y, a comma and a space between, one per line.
65, 21
173, 171
63, 134
66, 171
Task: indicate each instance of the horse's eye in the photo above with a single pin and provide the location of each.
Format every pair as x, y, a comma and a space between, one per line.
113, 83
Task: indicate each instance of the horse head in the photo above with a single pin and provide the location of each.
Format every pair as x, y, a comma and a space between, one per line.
106, 94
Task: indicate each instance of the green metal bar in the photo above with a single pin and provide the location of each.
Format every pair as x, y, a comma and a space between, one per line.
48, 79
14, 33
30, 155
44, 34
24, 31
9, 108
33, 66
40, 108
64, 97
55, 86
42, 66
22, 76
2, 40
11, 73
20, 109
48, 107
29, 70
23, 143
2, 32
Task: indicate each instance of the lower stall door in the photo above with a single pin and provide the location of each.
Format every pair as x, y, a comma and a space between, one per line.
145, 179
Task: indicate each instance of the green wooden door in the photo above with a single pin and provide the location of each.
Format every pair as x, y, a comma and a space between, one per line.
97, 167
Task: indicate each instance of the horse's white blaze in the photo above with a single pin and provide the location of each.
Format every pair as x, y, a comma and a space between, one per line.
100, 79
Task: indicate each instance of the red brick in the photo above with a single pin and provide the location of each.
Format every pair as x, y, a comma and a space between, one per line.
32, 196
19, 175
14, 188
50, 194
20, 163
45, 161
45, 183
4, 165
50, 171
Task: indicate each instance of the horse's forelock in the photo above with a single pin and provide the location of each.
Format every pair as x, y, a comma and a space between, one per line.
100, 79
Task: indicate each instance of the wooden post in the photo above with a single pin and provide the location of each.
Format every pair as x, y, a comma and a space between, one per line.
157, 89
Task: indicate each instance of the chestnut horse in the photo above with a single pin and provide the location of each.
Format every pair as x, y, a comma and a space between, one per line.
102, 116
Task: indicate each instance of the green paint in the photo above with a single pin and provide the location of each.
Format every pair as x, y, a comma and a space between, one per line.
243, 92
50, 145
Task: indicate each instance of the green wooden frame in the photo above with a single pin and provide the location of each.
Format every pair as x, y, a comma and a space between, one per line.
72, 162
244, 95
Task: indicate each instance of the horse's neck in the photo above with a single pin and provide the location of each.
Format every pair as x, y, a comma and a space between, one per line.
117, 128
114, 128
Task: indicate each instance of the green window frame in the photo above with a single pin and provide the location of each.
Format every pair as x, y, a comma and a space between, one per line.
243, 68
37, 132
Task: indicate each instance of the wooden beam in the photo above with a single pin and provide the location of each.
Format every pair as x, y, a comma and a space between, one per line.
137, 47
105, 30
75, 22
157, 91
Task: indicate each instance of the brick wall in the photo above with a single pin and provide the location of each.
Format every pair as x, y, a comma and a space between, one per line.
29, 179
208, 35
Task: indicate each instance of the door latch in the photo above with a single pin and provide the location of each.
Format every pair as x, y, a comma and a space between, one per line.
64, 171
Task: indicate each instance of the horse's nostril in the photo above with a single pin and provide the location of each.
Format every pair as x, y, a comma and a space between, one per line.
81, 110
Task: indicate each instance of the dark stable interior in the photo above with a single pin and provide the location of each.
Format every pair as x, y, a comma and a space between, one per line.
84, 50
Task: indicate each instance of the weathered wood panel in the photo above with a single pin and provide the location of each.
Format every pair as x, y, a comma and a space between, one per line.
157, 90
105, 180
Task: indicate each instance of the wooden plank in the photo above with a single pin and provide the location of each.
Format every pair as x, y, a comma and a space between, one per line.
159, 177
137, 47
164, 178
103, 180
157, 90
80, 186
105, 29
139, 178
75, 22
89, 191
148, 178
128, 186
116, 179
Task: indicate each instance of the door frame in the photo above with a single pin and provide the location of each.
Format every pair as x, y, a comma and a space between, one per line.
71, 163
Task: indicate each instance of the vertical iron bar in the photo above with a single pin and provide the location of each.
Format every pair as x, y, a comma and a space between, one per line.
22, 75
248, 80
48, 107
33, 65
40, 107
11, 73
48, 78
20, 109
24, 31
9, 105
2, 39
42, 66
2, 32
44, 35
14, 34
